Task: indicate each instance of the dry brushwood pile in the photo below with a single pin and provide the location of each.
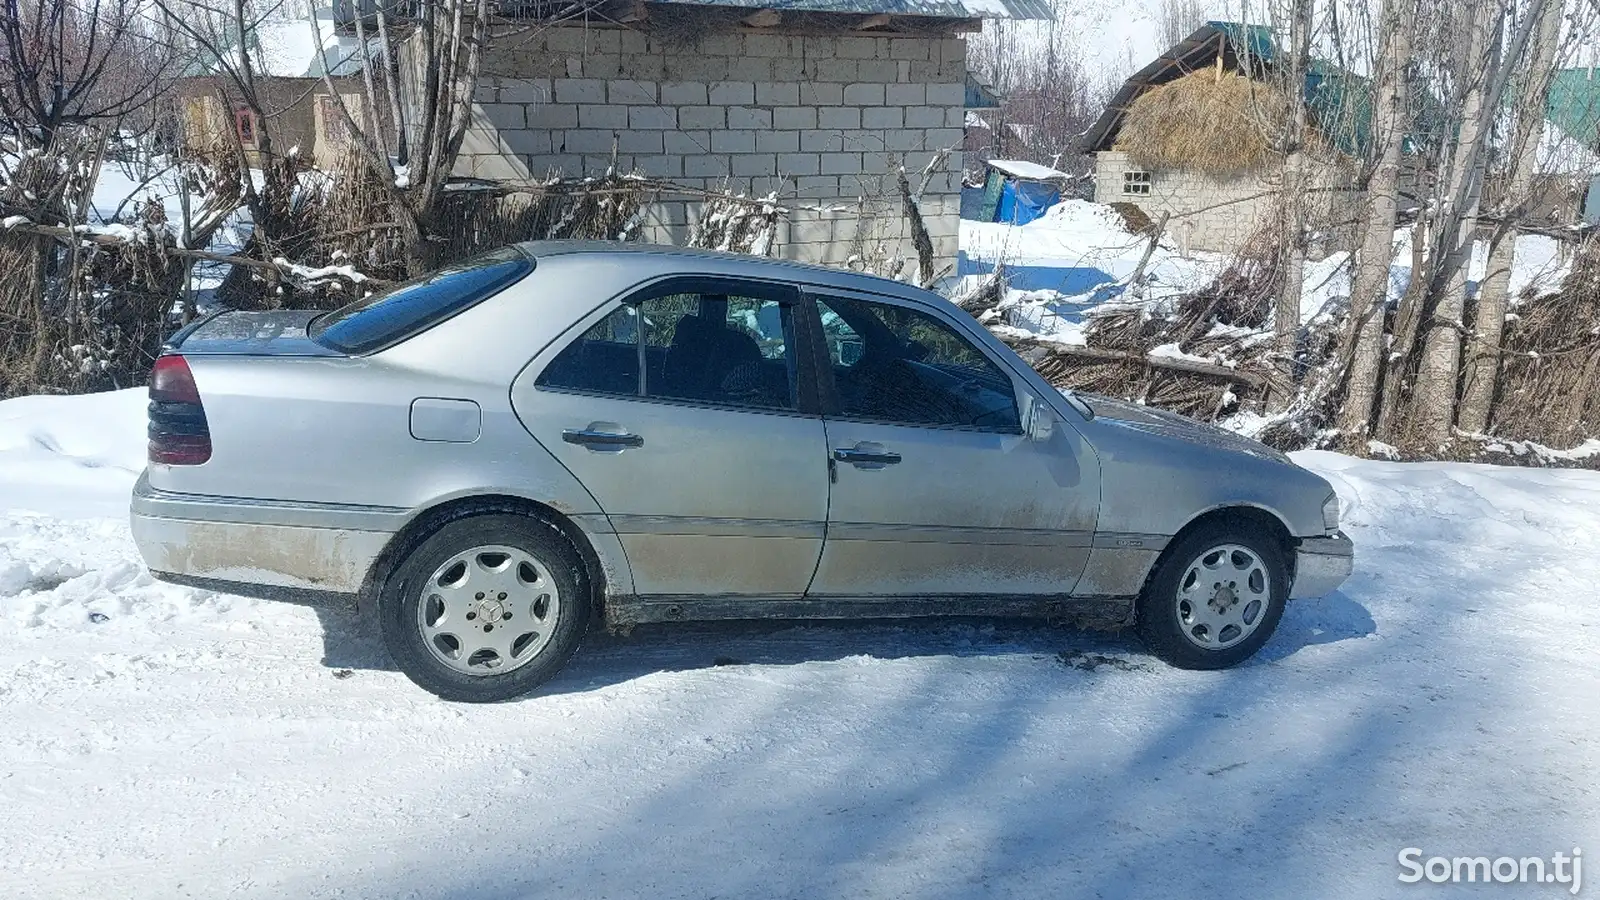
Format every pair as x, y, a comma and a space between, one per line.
359, 229
1210, 355
86, 306
81, 308
1212, 348
1550, 375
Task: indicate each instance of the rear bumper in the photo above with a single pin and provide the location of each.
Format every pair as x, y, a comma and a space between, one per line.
327, 549
1321, 565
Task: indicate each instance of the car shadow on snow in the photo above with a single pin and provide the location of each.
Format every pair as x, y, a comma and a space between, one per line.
902, 798
353, 642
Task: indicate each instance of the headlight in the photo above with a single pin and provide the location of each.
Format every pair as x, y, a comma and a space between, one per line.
1330, 513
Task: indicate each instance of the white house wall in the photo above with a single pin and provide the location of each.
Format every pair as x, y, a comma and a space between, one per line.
821, 120
1222, 214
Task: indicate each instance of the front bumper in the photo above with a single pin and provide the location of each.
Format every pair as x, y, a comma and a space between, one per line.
1321, 565
250, 542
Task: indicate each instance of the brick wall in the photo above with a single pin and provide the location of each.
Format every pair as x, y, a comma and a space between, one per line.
821, 120
1221, 214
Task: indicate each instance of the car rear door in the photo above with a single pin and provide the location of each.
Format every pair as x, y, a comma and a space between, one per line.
687, 414
938, 491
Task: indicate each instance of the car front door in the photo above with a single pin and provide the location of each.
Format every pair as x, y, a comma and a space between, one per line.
686, 412
939, 491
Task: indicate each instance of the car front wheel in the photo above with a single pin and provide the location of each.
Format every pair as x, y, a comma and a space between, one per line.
1214, 599
486, 608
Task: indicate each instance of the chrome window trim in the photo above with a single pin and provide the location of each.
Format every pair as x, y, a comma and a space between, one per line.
670, 401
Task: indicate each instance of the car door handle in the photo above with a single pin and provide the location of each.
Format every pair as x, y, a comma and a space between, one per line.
865, 458
601, 440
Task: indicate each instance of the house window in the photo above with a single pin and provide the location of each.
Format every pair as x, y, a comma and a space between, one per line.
333, 124
1136, 183
244, 124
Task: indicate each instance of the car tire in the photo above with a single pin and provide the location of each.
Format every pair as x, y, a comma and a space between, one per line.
1216, 578
453, 589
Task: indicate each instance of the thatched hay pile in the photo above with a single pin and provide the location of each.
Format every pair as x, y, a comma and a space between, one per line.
1550, 375
1218, 123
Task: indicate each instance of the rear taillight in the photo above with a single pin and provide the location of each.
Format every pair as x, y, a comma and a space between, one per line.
179, 435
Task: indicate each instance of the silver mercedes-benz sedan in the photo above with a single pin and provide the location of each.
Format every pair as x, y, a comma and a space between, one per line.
562, 436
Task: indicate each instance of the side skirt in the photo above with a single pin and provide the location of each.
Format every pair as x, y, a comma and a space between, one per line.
301, 596
1100, 613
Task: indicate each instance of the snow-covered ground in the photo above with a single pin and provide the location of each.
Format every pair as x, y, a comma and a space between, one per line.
166, 742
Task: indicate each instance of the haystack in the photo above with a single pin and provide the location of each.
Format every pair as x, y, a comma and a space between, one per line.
1221, 124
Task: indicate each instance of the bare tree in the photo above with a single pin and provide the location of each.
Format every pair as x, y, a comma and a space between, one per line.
1292, 196
448, 44
1370, 286
1049, 97
77, 63
1485, 71
1482, 366
1177, 19
221, 36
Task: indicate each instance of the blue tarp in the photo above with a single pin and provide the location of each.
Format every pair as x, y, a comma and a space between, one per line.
1023, 201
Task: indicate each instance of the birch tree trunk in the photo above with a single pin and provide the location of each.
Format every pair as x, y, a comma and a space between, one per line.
1487, 69
1370, 290
1286, 313
1482, 368
1434, 399
1407, 318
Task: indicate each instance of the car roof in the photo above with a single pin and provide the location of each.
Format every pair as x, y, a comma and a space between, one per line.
732, 264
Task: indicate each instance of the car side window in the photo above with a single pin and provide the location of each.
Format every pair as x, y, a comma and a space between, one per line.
705, 347
899, 365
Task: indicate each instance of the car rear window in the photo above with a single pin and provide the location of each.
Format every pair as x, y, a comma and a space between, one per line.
387, 318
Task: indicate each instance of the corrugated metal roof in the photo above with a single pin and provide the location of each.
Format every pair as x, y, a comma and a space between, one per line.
950, 9
1574, 104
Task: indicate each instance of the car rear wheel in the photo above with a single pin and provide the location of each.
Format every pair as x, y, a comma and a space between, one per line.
1215, 598
486, 608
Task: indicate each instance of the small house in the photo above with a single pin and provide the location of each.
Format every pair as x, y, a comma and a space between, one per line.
289, 53
1189, 136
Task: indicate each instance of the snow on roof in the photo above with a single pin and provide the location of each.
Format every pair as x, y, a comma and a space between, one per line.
289, 48
1020, 168
287, 43
975, 121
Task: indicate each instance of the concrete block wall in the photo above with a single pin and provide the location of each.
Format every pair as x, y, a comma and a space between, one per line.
1209, 214
1222, 214
820, 120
